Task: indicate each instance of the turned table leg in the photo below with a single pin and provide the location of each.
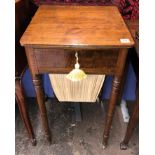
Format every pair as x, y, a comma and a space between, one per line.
114, 94
23, 112
42, 108
112, 103
131, 125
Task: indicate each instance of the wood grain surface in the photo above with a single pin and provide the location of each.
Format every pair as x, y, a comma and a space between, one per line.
99, 26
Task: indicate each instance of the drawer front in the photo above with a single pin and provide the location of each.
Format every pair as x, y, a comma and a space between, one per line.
62, 61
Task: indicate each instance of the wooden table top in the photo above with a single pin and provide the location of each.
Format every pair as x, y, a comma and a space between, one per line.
82, 26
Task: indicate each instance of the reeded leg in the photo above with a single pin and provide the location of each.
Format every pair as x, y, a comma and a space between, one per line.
42, 107
112, 102
131, 125
23, 112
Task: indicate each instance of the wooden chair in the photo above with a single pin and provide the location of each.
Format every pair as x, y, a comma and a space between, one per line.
134, 57
22, 18
22, 108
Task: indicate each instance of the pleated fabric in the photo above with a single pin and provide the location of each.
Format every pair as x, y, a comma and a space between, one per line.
86, 90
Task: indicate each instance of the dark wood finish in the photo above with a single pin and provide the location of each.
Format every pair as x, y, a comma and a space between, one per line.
56, 32
21, 21
40, 100
23, 15
131, 125
24, 10
133, 26
114, 93
91, 61
134, 57
23, 111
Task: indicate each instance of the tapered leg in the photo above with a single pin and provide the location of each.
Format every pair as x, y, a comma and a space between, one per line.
23, 112
42, 107
131, 125
114, 94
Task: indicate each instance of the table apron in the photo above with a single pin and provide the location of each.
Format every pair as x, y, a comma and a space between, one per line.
49, 60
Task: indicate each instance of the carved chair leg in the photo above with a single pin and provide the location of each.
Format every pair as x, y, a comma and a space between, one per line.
23, 112
131, 125
42, 108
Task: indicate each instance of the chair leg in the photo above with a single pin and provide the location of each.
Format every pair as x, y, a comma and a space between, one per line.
131, 125
23, 112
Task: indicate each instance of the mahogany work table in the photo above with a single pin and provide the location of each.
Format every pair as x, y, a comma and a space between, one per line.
98, 33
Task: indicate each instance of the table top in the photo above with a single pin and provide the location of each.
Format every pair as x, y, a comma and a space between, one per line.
82, 26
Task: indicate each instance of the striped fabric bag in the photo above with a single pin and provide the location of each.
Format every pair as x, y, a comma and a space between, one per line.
86, 90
